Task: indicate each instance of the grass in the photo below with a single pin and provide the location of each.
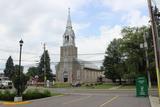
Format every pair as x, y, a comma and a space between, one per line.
127, 87
104, 86
83, 86
97, 86
62, 85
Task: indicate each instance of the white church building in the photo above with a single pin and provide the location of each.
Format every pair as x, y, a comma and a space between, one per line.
70, 69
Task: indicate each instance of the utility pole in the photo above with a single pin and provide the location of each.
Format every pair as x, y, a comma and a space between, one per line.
44, 47
147, 61
155, 39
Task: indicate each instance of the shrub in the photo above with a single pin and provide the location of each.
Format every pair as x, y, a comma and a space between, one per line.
36, 94
28, 95
22, 84
47, 93
7, 95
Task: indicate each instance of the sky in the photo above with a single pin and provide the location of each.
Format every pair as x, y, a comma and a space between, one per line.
95, 23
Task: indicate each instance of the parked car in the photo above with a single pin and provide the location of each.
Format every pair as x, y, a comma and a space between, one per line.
5, 83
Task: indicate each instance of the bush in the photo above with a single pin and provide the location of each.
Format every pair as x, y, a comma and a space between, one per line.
22, 84
29, 95
36, 94
7, 95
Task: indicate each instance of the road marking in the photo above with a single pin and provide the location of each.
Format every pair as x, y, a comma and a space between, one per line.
16, 103
109, 101
79, 99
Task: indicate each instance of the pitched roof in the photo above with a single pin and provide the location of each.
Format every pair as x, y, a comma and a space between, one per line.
87, 64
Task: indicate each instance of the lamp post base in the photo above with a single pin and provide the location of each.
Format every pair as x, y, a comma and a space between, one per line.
17, 99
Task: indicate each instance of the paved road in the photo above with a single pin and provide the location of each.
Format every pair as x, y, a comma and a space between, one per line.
91, 99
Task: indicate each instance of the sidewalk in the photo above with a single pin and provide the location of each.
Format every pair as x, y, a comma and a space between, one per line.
154, 101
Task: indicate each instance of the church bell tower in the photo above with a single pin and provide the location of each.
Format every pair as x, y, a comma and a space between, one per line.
69, 36
68, 55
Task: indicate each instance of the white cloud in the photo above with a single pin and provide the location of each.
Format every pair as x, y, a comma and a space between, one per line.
98, 44
37, 21
124, 5
135, 18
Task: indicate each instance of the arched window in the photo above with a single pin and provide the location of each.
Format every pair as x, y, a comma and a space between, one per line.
67, 37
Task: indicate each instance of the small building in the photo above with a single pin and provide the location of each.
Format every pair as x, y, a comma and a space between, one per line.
70, 69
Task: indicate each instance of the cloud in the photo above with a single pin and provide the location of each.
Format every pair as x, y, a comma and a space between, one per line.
39, 21
98, 44
135, 18
35, 22
124, 5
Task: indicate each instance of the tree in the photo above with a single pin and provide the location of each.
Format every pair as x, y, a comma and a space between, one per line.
48, 72
125, 59
9, 69
20, 82
113, 62
32, 72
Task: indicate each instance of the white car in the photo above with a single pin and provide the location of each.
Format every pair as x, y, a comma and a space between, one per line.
5, 83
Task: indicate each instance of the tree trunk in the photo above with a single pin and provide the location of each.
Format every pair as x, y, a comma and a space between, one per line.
120, 81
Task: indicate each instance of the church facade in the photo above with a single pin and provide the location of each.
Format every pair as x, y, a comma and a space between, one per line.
70, 69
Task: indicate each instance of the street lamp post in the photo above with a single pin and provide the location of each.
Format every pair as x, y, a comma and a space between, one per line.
19, 71
18, 97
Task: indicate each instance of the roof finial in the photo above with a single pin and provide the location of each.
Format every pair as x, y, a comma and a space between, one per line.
69, 19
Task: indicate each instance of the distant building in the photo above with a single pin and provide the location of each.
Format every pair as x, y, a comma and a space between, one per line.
70, 69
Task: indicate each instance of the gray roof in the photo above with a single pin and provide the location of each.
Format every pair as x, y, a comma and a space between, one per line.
87, 64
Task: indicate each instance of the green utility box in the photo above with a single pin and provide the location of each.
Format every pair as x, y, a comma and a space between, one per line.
141, 87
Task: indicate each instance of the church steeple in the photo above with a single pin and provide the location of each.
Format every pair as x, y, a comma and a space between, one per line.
69, 36
69, 24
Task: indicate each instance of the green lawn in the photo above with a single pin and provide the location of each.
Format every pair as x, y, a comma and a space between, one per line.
98, 86
127, 87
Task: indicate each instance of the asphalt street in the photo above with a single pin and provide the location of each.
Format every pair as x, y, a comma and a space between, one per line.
90, 99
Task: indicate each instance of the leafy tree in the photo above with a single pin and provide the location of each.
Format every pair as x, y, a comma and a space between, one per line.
32, 71
9, 69
113, 62
125, 59
48, 72
135, 57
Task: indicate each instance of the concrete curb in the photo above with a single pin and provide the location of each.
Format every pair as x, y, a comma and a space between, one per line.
154, 101
16, 103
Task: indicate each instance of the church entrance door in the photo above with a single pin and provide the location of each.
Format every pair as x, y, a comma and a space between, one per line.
65, 76
65, 79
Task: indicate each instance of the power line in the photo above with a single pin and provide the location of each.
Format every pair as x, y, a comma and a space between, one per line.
85, 54
13, 51
33, 53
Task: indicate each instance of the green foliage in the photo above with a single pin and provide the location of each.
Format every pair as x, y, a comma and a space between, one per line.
61, 85
125, 59
7, 95
113, 63
36, 94
32, 72
49, 74
9, 69
28, 95
20, 82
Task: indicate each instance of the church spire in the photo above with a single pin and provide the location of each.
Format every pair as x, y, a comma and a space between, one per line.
69, 24
69, 36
